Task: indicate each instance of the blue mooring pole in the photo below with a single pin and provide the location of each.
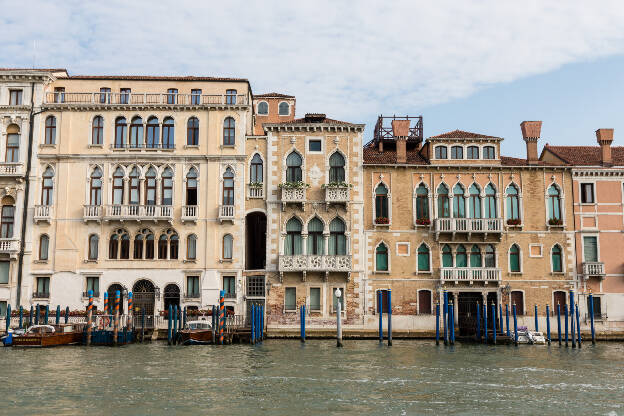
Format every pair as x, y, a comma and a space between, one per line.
262, 322
8, 318
389, 317
30, 316
548, 323
214, 324
253, 323
37, 314
169, 324
536, 323
184, 323
380, 308
478, 322
444, 316
494, 323
175, 324
507, 319
58, 314
47, 314
572, 329
515, 325
559, 323
591, 318
452, 322
21, 317
485, 323
565, 313
67, 314
500, 317
437, 323
578, 326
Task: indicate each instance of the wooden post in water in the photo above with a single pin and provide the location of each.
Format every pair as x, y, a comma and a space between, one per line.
89, 317
536, 322
67, 314
494, 323
214, 324
451, 316
221, 315
130, 323
578, 327
500, 317
444, 317
565, 313
485, 326
507, 318
252, 332
380, 308
8, 319
58, 314
47, 315
572, 319
21, 317
106, 310
37, 314
30, 316
478, 322
559, 323
515, 325
437, 323
591, 317
338, 293
548, 323
142, 324
169, 324
262, 322
184, 320
389, 317
302, 322
116, 327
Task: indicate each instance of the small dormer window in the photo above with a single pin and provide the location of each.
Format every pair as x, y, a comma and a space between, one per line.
440, 152
457, 152
489, 152
473, 152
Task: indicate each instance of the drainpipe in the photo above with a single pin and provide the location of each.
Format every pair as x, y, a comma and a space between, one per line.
26, 192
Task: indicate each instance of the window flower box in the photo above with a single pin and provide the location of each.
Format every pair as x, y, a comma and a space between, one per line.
423, 221
555, 221
294, 185
337, 185
382, 220
514, 221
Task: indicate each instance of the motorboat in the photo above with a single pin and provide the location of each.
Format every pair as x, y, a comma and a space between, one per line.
196, 333
49, 336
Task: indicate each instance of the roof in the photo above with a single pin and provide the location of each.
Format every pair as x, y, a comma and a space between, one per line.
273, 95
372, 156
461, 134
156, 78
515, 161
34, 69
315, 118
585, 155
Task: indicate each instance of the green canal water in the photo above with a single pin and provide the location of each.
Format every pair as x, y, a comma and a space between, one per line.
287, 378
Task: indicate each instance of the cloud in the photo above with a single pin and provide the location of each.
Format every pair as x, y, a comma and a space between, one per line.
351, 60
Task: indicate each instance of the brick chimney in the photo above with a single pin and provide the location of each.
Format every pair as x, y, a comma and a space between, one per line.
400, 131
531, 131
605, 138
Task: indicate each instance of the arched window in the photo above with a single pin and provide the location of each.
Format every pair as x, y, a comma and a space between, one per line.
97, 131
94, 241
168, 134
153, 133
44, 243
284, 109
95, 191
293, 167
118, 186
149, 245
12, 144
113, 246
174, 246
473, 152
167, 186
423, 258
315, 237
192, 132
381, 204
490, 256
447, 256
336, 168
144, 238
557, 260
47, 188
150, 186
513, 203
440, 152
162, 246
229, 131
50, 130
124, 252
134, 186
8, 219
554, 205
475, 256
263, 108
459, 203
422, 202
457, 152
489, 152
381, 258
138, 246
191, 187
514, 258
255, 170
490, 201
228, 245
474, 201
443, 202
337, 238
293, 242
191, 247
228, 187
120, 132
136, 133
461, 259
119, 245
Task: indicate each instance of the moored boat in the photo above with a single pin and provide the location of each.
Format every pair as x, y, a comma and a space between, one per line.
49, 336
196, 333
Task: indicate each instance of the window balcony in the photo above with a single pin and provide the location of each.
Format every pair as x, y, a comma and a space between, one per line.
9, 246
43, 213
470, 274
230, 295
482, 226
293, 196
192, 296
255, 192
226, 213
11, 169
138, 213
314, 263
142, 99
92, 213
96, 294
593, 268
41, 295
189, 213
337, 195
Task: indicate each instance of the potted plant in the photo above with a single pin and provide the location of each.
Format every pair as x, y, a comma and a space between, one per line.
423, 221
256, 184
294, 185
514, 221
382, 220
341, 184
555, 221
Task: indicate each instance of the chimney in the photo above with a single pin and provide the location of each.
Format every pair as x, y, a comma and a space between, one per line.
531, 133
400, 131
605, 138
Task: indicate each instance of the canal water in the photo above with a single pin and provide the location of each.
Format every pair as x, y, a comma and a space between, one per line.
287, 378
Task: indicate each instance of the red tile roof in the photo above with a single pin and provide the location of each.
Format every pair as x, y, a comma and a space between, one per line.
585, 155
155, 78
273, 95
315, 118
372, 156
514, 161
461, 134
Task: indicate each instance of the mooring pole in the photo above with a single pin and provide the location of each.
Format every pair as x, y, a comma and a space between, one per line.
221, 315
89, 317
214, 324
184, 322
302, 322
591, 317
500, 317
548, 323
389, 317
452, 322
515, 325
175, 324
380, 308
536, 323
338, 293
21, 316
559, 323
8, 318
142, 324
47, 315
565, 313
478, 322
107, 309
58, 314
444, 316
437, 323
169, 324
262, 322
507, 319
66, 314
30, 316
116, 328
253, 324
485, 323
578, 326
130, 324
494, 323
37, 314
572, 328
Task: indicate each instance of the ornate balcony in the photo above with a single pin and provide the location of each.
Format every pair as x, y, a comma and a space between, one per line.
255, 192
593, 268
482, 226
143, 99
43, 213
226, 213
470, 274
138, 213
314, 263
337, 195
293, 196
189, 213
11, 169
9, 246
92, 213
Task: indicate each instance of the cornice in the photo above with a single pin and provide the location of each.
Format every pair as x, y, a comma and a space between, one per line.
336, 128
140, 107
597, 171
139, 157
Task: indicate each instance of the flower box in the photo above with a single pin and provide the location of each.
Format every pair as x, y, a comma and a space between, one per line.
553, 221
423, 221
514, 221
294, 185
382, 220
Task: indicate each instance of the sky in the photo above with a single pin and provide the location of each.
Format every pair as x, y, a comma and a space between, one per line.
482, 66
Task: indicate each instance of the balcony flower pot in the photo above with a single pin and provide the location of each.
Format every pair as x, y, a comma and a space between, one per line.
337, 185
423, 221
555, 222
382, 221
514, 221
256, 184
294, 185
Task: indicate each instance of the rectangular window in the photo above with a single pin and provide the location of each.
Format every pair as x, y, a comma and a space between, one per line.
229, 286
440, 152
424, 302
290, 299
59, 94
4, 272
597, 307
192, 286
230, 97
255, 286
105, 94
93, 283
315, 299
15, 97
172, 96
124, 95
384, 300
196, 97
43, 286
335, 299
590, 248
587, 193
517, 298
315, 146
3, 308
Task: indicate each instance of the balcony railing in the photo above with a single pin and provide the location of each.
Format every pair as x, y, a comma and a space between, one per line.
143, 146
191, 296
315, 263
95, 294
92, 213
130, 99
293, 195
339, 195
41, 295
11, 169
43, 213
470, 274
226, 212
139, 212
9, 245
189, 213
593, 268
255, 191
230, 295
469, 225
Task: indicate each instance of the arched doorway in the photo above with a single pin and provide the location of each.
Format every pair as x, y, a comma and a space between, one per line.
172, 296
255, 224
143, 294
112, 289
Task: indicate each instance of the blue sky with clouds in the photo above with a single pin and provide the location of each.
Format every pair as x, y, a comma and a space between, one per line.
476, 65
